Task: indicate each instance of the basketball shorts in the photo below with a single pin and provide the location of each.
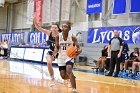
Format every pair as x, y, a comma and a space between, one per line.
63, 61
51, 53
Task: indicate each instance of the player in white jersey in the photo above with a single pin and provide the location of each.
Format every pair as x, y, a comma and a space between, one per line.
65, 63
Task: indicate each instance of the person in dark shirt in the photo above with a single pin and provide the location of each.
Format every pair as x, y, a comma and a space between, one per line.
135, 64
104, 51
102, 59
132, 58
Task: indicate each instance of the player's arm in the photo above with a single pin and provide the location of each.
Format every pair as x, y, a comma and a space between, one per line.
75, 42
40, 28
56, 49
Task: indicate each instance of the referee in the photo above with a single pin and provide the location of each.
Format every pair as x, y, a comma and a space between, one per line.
115, 47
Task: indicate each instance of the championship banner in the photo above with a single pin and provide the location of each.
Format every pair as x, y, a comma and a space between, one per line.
30, 11
119, 7
94, 6
37, 37
131, 34
135, 6
38, 10
13, 37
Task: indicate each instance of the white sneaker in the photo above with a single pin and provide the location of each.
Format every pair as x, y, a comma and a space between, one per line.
52, 83
75, 90
59, 80
68, 83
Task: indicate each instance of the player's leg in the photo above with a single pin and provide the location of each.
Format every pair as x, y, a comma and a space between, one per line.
62, 70
50, 68
63, 74
49, 65
69, 67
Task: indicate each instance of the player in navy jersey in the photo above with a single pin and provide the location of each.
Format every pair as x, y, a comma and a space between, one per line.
51, 42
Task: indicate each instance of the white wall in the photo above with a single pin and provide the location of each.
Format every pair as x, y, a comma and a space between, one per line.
20, 16
81, 11
78, 16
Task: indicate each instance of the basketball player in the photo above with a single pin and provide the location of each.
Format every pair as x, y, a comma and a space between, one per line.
51, 41
65, 63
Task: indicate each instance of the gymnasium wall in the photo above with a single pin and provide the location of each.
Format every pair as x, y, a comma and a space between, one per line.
3, 16
20, 16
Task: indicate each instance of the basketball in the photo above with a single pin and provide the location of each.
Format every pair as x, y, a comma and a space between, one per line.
72, 51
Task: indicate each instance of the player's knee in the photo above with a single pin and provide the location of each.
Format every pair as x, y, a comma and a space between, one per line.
69, 71
62, 75
49, 63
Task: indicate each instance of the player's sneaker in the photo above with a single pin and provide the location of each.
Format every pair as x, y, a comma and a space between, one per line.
74, 90
59, 80
52, 82
68, 83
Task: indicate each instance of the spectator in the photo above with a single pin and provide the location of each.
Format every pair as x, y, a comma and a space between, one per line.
135, 64
132, 58
102, 59
5, 47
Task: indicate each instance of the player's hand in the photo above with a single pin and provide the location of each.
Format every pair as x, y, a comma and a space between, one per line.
79, 51
74, 39
34, 15
53, 57
34, 19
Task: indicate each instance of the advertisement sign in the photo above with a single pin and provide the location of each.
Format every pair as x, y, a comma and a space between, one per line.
131, 34
94, 6
17, 37
37, 37
34, 54
17, 53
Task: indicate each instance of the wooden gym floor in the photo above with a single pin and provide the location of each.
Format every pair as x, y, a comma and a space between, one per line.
27, 77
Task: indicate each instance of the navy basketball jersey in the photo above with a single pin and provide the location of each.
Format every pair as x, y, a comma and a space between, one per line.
51, 42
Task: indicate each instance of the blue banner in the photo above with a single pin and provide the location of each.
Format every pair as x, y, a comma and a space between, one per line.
119, 7
37, 37
16, 37
94, 6
131, 34
135, 6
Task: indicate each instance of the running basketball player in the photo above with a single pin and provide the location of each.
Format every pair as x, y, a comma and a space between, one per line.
51, 41
65, 63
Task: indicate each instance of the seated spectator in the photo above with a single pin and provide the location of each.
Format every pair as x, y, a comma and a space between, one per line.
1, 50
131, 59
102, 59
5, 48
135, 64
98, 64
